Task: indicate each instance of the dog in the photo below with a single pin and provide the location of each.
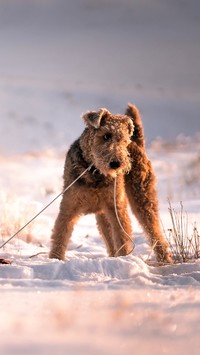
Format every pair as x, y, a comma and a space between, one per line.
111, 154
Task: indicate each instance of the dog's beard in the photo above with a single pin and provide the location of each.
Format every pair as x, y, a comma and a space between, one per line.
122, 170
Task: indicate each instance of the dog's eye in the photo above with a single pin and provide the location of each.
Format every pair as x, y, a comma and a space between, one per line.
107, 136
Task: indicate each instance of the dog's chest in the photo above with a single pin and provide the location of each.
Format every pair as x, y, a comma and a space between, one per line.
93, 179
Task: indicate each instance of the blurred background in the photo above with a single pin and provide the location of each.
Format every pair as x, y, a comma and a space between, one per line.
60, 58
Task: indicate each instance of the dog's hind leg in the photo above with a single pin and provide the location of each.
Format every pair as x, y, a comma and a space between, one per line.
106, 232
120, 222
121, 233
140, 184
142, 196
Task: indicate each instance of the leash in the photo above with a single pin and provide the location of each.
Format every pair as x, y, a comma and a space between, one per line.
50, 203
62, 193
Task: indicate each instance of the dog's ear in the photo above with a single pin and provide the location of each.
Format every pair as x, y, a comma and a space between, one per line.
130, 126
96, 119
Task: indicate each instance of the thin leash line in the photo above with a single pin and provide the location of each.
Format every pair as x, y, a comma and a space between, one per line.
50, 203
118, 220
60, 194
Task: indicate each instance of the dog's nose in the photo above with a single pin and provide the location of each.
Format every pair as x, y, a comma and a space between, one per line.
115, 164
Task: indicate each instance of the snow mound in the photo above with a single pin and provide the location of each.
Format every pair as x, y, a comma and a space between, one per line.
97, 272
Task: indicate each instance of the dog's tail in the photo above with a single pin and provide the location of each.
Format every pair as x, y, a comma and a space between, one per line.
138, 134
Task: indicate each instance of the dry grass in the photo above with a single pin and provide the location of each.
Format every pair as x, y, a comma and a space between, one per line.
184, 245
192, 175
15, 213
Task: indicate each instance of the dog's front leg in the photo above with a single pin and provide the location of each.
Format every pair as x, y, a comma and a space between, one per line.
63, 228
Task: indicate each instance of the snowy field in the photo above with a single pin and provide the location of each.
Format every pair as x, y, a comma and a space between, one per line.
49, 75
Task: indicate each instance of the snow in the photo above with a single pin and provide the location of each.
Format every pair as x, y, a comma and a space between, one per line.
60, 59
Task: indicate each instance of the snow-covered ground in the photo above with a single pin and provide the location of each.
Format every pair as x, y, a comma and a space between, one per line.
59, 59
91, 304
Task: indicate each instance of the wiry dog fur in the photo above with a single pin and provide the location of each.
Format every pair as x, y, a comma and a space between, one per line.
114, 145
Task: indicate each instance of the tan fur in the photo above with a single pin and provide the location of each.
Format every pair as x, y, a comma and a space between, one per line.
114, 144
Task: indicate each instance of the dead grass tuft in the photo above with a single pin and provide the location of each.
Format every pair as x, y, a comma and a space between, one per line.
184, 245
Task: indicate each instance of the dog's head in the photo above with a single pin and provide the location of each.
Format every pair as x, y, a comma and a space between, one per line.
105, 141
